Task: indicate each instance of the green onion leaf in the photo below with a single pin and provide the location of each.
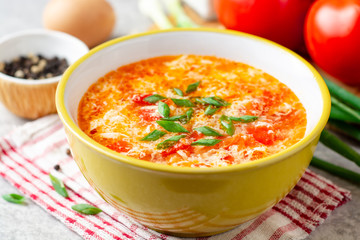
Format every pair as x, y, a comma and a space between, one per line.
174, 118
206, 142
210, 110
189, 114
154, 98
216, 101
14, 198
178, 92
153, 136
169, 142
207, 131
244, 119
58, 186
171, 126
164, 109
227, 125
182, 102
198, 100
192, 87
86, 209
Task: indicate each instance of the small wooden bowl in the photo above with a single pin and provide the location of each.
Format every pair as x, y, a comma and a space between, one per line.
32, 99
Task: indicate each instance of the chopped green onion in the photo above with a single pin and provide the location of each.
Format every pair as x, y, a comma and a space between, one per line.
192, 87
153, 136
189, 114
198, 100
14, 198
58, 186
333, 142
86, 209
336, 170
174, 118
345, 128
244, 119
207, 131
164, 109
227, 125
343, 107
216, 101
169, 142
210, 110
343, 95
171, 126
182, 102
154, 98
178, 92
206, 142
222, 101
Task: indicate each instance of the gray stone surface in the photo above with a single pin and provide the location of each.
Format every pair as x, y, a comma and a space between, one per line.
32, 222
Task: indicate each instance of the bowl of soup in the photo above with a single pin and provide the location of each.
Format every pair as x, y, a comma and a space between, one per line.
192, 132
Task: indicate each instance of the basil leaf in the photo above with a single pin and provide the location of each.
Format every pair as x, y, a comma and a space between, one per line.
86, 209
210, 110
178, 92
174, 118
244, 119
14, 198
169, 142
164, 109
58, 186
182, 102
154, 98
216, 101
171, 126
227, 125
207, 131
206, 142
189, 114
192, 87
153, 136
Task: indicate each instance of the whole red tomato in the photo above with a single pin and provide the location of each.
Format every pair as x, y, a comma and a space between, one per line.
281, 21
332, 34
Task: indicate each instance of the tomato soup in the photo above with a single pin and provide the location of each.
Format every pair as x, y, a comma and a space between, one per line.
192, 111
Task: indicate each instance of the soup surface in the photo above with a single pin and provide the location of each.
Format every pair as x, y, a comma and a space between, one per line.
193, 111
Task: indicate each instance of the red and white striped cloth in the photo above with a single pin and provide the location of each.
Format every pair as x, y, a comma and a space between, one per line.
29, 153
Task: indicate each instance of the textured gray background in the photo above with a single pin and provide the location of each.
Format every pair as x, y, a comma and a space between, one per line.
32, 222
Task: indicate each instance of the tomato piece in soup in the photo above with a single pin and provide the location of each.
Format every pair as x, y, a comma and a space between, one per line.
263, 134
139, 99
119, 146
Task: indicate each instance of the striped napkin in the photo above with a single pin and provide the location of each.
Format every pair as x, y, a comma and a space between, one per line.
29, 154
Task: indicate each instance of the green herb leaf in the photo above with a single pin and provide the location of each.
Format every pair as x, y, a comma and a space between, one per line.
189, 114
164, 109
198, 100
244, 119
206, 142
178, 92
182, 102
86, 209
154, 98
169, 142
174, 118
227, 125
14, 198
207, 131
171, 126
192, 87
58, 186
153, 136
210, 110
216, 101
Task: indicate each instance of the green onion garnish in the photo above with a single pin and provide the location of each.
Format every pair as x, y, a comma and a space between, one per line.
192, 87
206, 142
171, 126
216, 101
58, 186
207, 131
14, 198
178, 92
182, 102
227, 125
169, 142
86, 209
153, 136
210, 110
164, 109
175, 118
189, 114
154, 98
244, 119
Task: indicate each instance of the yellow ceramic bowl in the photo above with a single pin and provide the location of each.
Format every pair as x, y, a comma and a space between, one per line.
193, 201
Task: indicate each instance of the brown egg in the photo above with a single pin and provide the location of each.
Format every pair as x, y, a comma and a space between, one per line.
92, 21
